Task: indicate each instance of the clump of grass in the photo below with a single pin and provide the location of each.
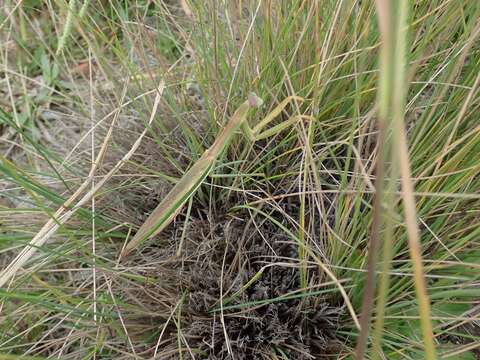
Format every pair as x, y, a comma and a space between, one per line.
275, 219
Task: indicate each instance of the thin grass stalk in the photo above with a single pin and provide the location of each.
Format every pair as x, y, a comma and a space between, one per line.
393, 27
370, 284
382, 203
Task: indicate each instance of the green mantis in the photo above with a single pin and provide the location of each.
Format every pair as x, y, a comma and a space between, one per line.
186, 187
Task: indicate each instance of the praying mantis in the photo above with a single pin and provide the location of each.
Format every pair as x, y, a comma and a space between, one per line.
186, 187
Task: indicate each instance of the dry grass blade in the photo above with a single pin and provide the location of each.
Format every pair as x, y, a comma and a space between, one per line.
414, 243
369, 292
400, 140
67, 210
296, 234
393, 21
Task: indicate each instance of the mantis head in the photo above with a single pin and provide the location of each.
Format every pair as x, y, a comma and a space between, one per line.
254, 100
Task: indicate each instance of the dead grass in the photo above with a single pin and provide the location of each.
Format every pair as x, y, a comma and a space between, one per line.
276, 219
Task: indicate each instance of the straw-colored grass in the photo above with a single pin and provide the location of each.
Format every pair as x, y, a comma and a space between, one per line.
337, 220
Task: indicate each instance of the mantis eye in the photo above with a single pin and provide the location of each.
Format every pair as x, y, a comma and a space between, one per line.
254, 100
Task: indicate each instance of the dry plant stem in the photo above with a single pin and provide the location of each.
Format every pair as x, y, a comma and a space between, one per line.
92, 184
65, 212
459, 118
9, 14
414, 242
222, 317
369, 292
401, 144
378, 216
393, 88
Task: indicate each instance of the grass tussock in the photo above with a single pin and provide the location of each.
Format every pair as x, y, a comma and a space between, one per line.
349, 229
